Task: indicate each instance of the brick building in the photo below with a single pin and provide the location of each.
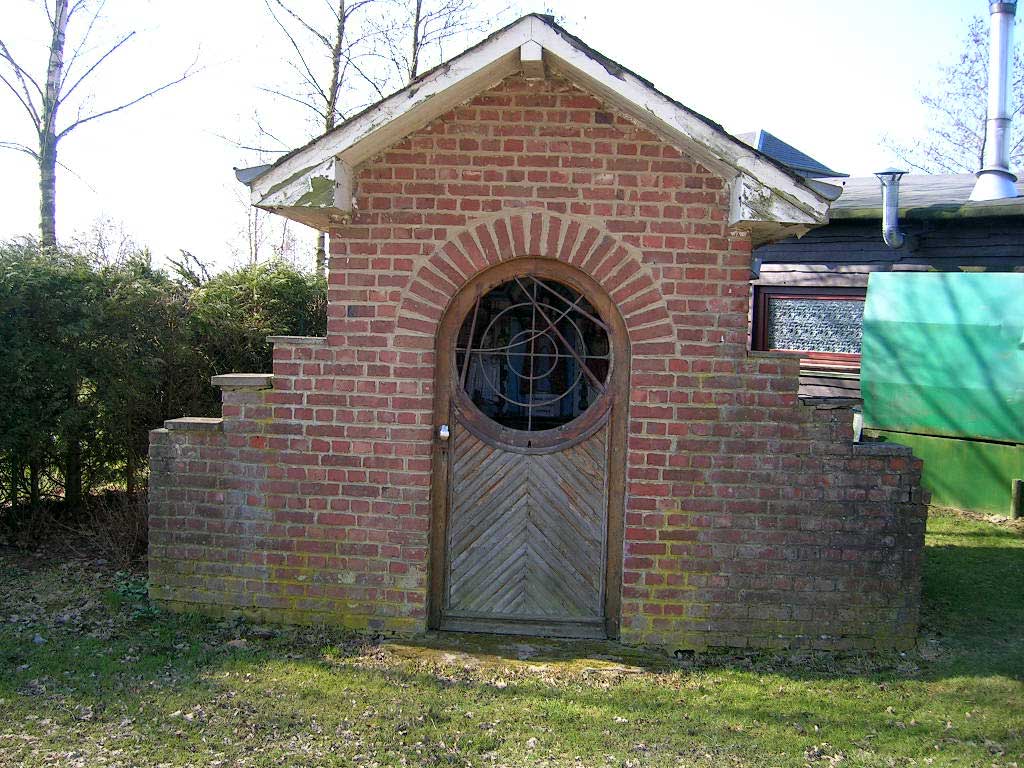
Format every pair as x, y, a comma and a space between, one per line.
536, 409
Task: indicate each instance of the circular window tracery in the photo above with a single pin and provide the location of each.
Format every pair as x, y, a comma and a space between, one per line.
533, 354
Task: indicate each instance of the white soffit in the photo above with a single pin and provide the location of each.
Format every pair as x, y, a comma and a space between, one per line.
773, 193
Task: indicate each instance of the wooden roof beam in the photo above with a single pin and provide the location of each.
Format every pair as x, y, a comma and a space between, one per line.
531, 55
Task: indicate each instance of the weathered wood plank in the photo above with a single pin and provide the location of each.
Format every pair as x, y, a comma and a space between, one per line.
533, 627
941, 245
826, 386
526, 532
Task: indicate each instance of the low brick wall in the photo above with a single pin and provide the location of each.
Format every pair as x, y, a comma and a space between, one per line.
247, 514
825, 553
279, 512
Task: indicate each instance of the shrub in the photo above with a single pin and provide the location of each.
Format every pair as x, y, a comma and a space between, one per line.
233, 313
95, 355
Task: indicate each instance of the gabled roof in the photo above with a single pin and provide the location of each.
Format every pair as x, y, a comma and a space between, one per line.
922, 196
804, 165
313, 184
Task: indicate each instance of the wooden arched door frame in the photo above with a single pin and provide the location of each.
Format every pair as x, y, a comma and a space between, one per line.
616, 403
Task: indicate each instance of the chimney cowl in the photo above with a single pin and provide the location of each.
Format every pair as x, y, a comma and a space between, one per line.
995, 179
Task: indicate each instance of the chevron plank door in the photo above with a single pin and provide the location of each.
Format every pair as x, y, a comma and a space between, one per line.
526, 537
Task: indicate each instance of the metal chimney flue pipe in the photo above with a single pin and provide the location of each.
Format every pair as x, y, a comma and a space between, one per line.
995, 180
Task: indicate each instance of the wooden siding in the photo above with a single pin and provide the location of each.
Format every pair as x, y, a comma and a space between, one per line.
846, 252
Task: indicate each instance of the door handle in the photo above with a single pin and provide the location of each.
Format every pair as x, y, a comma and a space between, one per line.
443, 432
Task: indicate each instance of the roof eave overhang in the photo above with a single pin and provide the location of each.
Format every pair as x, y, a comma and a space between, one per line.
1011, 207
314, 184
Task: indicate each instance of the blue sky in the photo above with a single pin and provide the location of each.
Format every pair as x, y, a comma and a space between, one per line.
829, 77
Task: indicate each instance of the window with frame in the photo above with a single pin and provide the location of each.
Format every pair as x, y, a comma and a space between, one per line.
820, 323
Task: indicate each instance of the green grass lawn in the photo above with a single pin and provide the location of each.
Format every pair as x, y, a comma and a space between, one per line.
91, 675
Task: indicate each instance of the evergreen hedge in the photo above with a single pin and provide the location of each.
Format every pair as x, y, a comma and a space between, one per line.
93, 355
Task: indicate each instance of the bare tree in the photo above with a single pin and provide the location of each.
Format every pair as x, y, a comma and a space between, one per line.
255, 231
358, 51
956, 108
412, 35
45, 99
261, 234
106, 240
336, 44
322, 69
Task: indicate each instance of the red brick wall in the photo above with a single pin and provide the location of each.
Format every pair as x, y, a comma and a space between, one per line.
750, 519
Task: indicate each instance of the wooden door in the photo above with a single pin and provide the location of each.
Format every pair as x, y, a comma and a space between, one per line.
527, 534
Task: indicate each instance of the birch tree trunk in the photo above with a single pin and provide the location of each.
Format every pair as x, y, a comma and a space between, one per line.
48, 192
48, 129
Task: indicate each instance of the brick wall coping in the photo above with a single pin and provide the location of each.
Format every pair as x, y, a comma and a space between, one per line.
195, 423
243, 381
773, 353
838, 402
299, 341
882, 449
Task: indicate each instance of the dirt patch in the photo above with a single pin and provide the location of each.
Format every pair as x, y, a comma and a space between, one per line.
1003, 521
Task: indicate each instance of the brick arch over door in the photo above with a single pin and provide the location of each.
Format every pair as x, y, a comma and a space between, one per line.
617, 267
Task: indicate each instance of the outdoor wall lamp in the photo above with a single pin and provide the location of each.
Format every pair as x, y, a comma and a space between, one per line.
891, 232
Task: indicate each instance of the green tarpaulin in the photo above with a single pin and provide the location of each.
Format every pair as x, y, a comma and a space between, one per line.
943, 354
